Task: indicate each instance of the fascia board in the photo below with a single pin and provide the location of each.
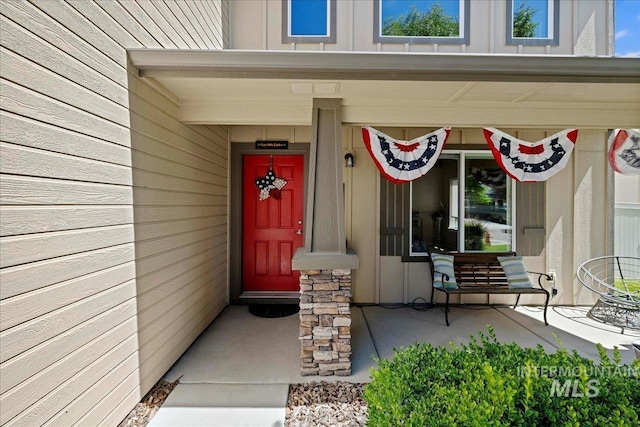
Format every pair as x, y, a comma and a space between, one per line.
383, 66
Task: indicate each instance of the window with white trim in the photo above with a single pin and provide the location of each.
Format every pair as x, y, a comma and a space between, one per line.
421, 21
308, 21
533, 22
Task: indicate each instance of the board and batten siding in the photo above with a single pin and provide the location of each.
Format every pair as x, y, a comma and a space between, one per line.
258, 24
113, 213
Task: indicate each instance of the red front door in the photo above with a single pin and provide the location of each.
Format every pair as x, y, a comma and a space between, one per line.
271, 228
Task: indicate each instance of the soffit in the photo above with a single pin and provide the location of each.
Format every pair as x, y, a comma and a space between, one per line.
276, 88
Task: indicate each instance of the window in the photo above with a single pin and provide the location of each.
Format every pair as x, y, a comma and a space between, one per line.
466, 187
533, 22
627, 42
308, 21
453, 203
421, 21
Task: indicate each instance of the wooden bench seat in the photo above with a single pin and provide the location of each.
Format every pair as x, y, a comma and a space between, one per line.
481, 273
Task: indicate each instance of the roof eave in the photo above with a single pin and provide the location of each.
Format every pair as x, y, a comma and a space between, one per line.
318, 65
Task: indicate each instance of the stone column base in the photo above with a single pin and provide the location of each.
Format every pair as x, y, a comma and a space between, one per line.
325, 322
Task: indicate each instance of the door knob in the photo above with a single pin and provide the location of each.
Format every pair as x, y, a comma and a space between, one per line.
300, 222
299, 232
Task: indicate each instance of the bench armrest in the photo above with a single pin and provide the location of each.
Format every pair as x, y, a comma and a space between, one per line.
444, 275
540, 276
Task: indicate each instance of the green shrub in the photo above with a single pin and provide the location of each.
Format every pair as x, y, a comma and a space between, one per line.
487, 383
474, 232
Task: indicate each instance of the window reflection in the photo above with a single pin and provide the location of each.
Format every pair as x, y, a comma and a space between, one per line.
424, 18
531, 18
484, 207
308, 18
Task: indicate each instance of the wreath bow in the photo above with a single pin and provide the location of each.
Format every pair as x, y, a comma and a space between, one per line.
270, 185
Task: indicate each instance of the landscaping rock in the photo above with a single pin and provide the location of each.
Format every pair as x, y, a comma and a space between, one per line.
336, 404
149, 405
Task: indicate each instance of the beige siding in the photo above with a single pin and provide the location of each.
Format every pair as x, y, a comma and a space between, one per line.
589, 193
113, 218
361, 218
257, 24
179, 198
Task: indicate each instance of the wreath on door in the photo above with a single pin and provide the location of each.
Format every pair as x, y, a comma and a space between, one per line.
270, 185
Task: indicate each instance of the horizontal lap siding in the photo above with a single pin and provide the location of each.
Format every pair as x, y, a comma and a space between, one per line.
113, 213
180, 198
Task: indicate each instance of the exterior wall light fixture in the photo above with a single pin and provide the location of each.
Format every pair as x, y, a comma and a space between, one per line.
349, 160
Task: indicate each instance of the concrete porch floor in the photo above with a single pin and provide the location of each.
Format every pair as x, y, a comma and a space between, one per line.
237, 373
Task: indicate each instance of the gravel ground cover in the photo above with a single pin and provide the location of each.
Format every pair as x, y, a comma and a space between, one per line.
314, 404
326, 404
149, 405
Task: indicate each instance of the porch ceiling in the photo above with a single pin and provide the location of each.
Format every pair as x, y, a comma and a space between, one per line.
390, 89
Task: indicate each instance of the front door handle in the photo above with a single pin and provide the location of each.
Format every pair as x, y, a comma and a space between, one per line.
299, 232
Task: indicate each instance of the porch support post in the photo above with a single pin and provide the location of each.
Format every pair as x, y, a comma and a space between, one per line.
325, 262
325, 322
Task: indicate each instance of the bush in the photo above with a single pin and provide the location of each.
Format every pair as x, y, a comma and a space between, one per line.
486, 383
474, 232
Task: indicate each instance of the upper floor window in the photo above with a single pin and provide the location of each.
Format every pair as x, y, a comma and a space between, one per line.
421, 21
627, 37
309, 21
533, 22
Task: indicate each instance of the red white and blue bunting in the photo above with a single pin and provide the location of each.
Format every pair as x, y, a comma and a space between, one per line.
624, 151
404, 161
531, 161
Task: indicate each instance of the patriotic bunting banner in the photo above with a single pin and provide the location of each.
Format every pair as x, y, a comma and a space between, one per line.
624, 151
531, 161
404, 161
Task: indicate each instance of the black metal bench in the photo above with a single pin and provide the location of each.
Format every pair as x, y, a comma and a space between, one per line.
481, 273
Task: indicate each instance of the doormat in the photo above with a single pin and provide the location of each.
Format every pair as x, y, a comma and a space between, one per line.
273, 310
